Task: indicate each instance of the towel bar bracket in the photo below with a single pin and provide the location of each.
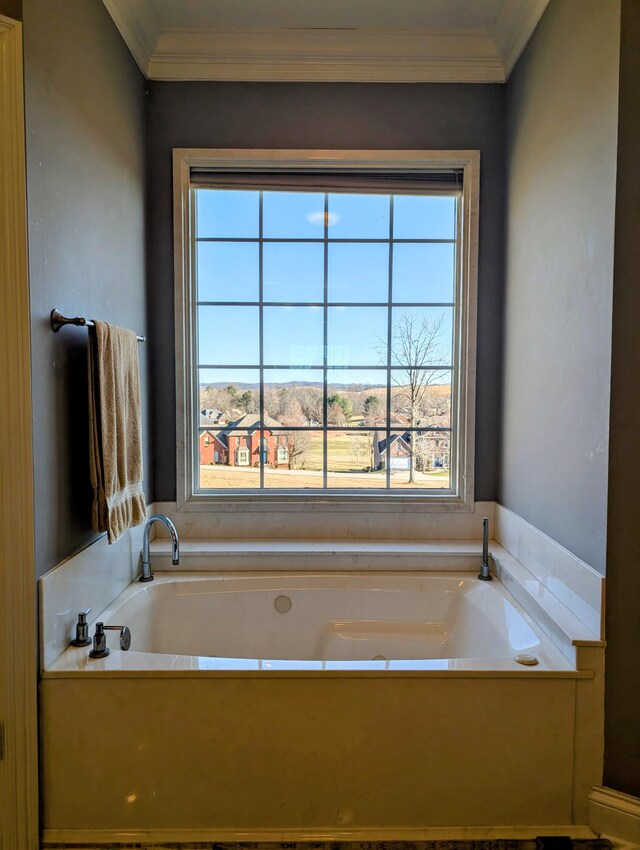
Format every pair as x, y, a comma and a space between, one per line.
59, 321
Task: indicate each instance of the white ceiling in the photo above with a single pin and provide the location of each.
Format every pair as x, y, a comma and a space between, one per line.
327, 40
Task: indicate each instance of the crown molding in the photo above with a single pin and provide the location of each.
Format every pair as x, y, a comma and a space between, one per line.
139, 26
300, 55
278, 54
513, 28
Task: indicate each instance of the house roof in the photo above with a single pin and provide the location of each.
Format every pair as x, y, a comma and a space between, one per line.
404, 438
249, 423
210, 417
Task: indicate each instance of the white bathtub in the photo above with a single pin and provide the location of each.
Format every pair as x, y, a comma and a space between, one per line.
229, 720
320, 622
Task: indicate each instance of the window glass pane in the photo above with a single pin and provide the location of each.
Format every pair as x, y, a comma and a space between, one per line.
223, 213
294, 396
226, 395
419, 460
231, 461
416, 217
358, 272
323, 365
228, 335
351, 460
357, 336
357, 397
228, 271
293, 271
421, 397
293, 215
358, 216
424, 271
294, 460
422, 336
293, 336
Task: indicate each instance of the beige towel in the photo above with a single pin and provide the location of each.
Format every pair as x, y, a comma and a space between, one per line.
115, 430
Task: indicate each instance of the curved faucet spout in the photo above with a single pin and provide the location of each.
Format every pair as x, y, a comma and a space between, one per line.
147, 575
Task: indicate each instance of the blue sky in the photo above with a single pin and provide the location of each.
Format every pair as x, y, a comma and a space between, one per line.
294, 272
300, 215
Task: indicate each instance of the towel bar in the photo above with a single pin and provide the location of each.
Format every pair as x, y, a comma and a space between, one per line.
58, 321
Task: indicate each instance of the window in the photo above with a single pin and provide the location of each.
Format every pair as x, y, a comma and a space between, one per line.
327, 313
242, 457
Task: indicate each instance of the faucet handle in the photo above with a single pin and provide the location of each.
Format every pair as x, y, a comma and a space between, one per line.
125, 635
82, 629
100, 648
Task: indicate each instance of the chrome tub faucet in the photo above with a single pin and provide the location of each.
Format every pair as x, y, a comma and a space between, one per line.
147, 575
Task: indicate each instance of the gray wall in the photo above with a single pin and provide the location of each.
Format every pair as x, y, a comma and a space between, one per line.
561, 160
622, 700
247, 115
85, 175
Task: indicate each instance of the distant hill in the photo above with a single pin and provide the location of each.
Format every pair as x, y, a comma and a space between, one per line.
345, 386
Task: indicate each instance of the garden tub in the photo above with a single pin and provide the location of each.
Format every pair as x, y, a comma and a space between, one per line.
432, 621
284, 706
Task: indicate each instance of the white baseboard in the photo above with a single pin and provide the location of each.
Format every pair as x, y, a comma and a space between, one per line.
615, 816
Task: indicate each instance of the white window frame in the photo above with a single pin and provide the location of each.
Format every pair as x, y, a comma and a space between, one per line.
244, 452
461, 495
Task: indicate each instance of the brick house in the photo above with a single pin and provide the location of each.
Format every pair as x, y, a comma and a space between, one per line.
211, 419
238, 443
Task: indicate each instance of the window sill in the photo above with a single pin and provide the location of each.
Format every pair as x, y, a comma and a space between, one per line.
290, 502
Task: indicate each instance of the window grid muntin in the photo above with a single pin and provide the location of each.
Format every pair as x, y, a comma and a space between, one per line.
261, 307
389, 340
325, 354
455, 307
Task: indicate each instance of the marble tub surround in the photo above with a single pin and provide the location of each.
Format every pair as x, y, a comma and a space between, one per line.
558, 590
374, 521
301, 758
230, 531
564, 628
90, 579
574, 583
313, 555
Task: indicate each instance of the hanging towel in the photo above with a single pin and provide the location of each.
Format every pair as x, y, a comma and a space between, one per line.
115, 430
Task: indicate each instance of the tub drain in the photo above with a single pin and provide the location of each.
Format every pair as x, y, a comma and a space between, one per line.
282, 604
527, 660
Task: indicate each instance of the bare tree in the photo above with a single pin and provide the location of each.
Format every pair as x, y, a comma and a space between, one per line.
359, 443
310, 400
221, 399
298, 443
416, 347
290, 412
